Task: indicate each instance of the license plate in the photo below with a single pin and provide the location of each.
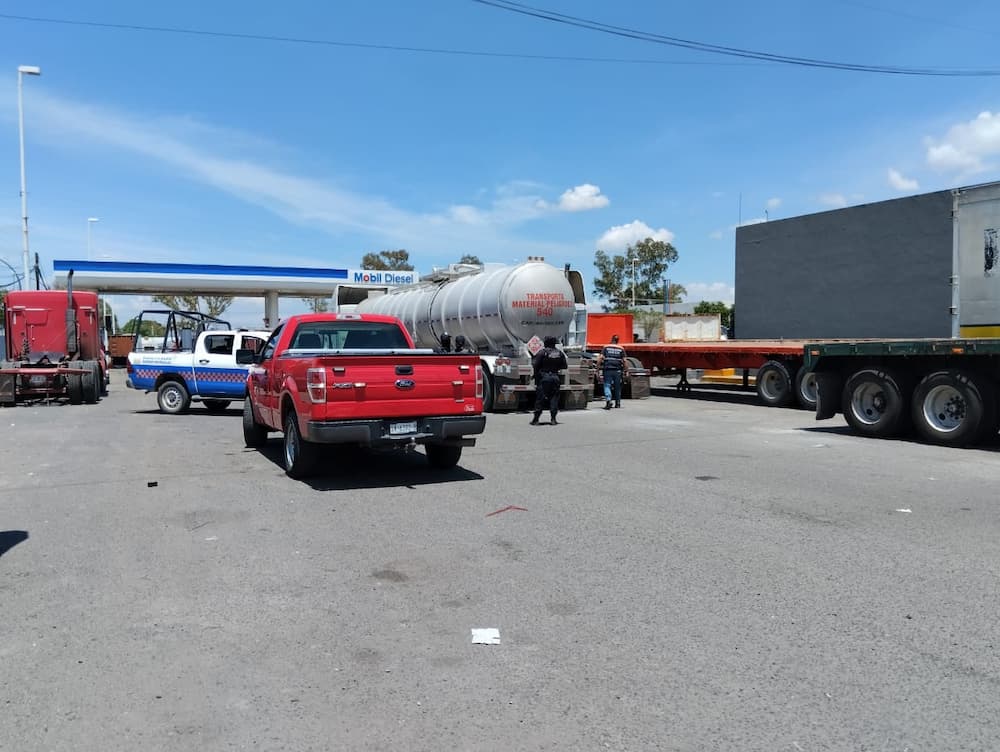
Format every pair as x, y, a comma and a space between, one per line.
409, 426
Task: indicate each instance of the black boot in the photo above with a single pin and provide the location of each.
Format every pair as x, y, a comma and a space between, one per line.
618, 404
552, 419
534, 420
607, 405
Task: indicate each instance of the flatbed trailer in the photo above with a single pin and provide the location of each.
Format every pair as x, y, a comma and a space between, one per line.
945, 391
781, 379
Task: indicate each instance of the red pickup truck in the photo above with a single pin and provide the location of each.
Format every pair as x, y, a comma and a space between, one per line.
347, 378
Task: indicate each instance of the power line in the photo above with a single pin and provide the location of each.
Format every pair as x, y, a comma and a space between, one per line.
356, 45
717, 49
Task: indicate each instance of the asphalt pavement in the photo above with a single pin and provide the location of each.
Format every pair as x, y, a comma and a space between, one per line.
680, 574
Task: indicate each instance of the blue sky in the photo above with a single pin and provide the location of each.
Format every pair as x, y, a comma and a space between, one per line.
209, 149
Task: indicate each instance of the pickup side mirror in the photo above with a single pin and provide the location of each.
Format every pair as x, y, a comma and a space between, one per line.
245, 357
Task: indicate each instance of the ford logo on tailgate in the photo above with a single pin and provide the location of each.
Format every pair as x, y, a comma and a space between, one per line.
405, 383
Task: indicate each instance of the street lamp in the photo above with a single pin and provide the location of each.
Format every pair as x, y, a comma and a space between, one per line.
90, 223
22, 71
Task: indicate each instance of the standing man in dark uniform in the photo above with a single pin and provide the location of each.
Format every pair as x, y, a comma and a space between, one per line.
613, 366
547, 363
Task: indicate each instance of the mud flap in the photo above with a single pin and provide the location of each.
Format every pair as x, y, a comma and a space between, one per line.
828, 389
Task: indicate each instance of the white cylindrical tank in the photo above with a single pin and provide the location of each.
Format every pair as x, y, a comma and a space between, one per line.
500, 306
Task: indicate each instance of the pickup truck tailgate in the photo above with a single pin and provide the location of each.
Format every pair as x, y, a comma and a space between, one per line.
394, 385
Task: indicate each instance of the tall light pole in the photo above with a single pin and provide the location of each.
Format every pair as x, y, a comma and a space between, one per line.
633, 259
90, 223
22, 71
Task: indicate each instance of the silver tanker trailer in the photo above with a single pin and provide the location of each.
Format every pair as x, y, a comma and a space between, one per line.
503, 313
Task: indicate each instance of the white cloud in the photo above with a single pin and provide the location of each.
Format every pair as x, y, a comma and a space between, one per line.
835, 200
773, 203
583, 198
216, 157
900, 183
967, 148
712, 291
715, 235
621, 236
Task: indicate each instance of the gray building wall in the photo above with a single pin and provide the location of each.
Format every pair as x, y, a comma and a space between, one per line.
877, 270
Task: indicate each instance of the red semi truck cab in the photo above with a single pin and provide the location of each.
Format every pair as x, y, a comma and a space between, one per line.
329, 378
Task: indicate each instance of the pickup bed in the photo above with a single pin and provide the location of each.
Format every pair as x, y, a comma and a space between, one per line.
208, 372
330, 378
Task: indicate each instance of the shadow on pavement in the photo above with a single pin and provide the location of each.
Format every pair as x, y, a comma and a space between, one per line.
343, 468
10, 538
708, 393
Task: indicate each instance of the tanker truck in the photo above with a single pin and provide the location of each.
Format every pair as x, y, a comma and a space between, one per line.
503, 313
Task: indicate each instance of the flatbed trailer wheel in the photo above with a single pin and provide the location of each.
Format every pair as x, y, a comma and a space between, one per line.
300, 455
954, 408
806, 391
173, 398
775, 384
875, 403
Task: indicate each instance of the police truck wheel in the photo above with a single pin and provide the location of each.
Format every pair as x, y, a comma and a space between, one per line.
254, 434
775, 384
443, 456
215, 405
875, 403
954, 408
173, 398
300, 455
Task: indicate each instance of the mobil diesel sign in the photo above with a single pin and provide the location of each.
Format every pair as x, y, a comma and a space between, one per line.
384, 277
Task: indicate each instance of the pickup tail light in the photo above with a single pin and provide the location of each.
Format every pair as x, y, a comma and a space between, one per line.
316, 384
479, 382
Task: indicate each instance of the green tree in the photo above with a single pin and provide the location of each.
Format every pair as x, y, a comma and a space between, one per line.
317, 305
708, 308
213, 305
149, 328
388, 261
470, 258
615, 280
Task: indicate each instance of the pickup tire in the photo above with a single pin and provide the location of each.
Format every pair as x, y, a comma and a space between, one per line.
254, 434
443, 456
954, 408
216, 405
875, 403
300, 455
775, 384
173, 398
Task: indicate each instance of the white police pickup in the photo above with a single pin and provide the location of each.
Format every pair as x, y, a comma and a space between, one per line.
207, 372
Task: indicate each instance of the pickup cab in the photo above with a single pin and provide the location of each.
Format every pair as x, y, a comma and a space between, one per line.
205, 372
356, 379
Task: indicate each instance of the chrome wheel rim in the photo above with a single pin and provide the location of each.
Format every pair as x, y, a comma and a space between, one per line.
291, 447
868, 403
770, 385
944, 409
808, 388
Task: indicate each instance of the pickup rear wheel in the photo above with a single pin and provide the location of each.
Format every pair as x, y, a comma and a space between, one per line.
216, 405
443, 456
254, 434
300, 455
173, 398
